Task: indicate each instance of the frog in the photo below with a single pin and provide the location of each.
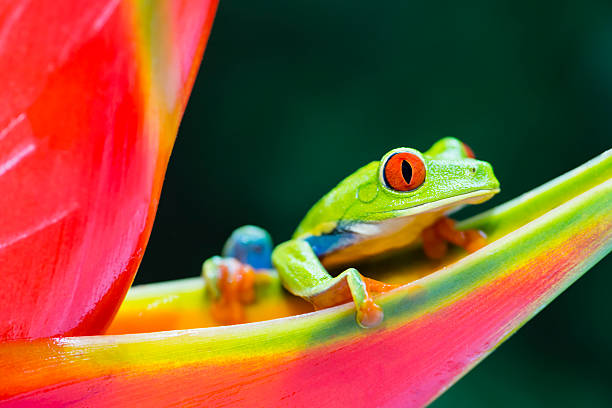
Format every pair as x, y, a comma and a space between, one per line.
401, 200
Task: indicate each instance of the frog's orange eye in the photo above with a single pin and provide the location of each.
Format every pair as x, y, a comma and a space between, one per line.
404, 171
468, 151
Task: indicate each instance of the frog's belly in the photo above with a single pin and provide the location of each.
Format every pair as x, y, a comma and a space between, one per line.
375, 239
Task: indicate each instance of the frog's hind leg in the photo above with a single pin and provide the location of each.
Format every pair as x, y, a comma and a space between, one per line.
303, 275
230, 279
436, 236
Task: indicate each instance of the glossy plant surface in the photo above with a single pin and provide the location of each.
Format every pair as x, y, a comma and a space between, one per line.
92, 96
437, 327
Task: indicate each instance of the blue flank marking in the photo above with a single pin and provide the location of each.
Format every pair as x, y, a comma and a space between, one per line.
325, 244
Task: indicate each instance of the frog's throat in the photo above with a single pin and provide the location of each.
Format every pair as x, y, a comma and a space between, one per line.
473, 197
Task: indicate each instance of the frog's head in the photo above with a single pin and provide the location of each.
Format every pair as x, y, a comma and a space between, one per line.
404, 183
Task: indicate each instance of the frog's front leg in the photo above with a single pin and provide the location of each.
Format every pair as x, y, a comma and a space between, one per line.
230, 279
442, 231
303, 275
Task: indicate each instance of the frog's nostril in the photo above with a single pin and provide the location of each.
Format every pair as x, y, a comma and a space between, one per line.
473, 169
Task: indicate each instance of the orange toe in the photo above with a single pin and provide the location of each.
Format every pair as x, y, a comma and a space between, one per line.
475, 240
237, 287
433, 246
445, 228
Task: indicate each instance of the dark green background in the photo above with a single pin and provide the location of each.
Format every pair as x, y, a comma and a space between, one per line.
294, 95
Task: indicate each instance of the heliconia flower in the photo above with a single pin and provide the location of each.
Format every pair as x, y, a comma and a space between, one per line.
436, 328
91, 98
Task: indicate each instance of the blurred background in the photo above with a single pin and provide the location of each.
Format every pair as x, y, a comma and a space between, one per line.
293, 96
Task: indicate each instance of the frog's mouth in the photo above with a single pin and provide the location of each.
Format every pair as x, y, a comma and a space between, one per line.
452, 203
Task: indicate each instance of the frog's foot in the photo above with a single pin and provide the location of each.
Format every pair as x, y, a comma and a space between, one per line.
230, 284
436, 236
350, 285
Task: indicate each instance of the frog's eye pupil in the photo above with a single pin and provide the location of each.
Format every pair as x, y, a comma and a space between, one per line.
404, 171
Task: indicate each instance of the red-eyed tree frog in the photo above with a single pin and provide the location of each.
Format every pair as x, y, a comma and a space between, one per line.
385, 205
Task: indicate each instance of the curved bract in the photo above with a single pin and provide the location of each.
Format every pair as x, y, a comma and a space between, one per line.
436, 328
91, 98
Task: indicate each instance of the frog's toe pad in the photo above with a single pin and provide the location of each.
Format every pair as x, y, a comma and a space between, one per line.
475, 239
369, 314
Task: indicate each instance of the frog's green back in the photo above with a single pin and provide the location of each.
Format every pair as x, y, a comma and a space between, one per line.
324, 216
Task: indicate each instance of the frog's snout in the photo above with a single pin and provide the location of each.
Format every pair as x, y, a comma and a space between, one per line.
483, 173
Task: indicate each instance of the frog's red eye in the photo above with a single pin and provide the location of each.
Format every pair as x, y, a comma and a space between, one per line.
404, 171
468, 151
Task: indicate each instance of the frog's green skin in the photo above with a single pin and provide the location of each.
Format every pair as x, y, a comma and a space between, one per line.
362, 216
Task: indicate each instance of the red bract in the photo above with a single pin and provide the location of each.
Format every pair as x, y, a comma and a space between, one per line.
92, 94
